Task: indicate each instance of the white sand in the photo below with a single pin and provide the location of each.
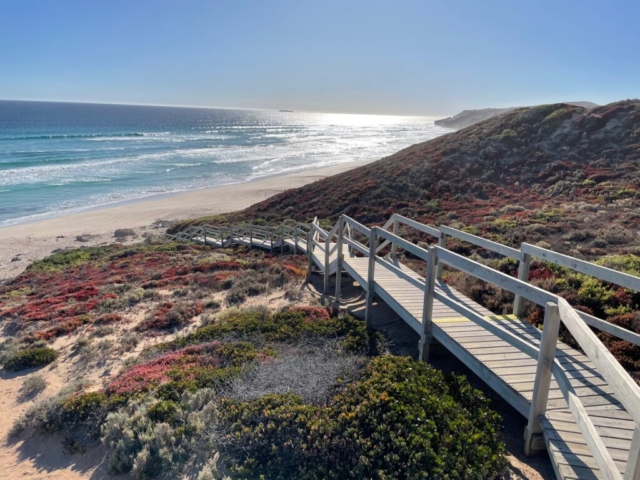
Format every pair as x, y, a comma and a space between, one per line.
22, 244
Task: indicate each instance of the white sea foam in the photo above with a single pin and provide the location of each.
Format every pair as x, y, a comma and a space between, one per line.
91, 168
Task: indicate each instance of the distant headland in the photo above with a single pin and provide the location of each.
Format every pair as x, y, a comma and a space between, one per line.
470, 117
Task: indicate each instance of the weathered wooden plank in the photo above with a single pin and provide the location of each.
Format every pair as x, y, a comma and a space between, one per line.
603, 430
562, 436
602, 420
562, 447
581, 460
486, 374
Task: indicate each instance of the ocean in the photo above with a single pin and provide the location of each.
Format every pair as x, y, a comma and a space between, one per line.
58, 158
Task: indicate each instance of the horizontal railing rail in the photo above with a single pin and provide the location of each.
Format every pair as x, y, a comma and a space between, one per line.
401, 242
482, 242
357, 226
356, 245
587, 268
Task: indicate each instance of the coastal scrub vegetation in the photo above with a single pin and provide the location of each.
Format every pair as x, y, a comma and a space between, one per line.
90, 287
30, 358
269, 393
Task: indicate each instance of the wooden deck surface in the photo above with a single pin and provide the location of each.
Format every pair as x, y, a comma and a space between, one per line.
509, 371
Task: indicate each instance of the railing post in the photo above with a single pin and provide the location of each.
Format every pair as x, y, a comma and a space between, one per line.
339, 259
523, 274
281, 239
632, 472
310, 252
271, 241
325, 286
546, 356
442, 242
373, 237
250, 237
393, 245
295, 243
205, 236
427, 309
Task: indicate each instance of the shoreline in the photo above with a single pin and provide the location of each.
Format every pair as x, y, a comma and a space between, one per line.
159, 196
25, 242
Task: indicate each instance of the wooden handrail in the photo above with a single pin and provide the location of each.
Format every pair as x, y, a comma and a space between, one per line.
482, 242
587, 268
526, 290
401, 242
624, 387
357, 245
357, 226
434, 232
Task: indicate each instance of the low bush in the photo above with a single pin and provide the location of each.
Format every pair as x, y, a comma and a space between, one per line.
150, 438
170, 315
129, 341
33, 385
212, 305
30, 357
284, 326
311, 371
191, 368
8, 349
403, 419
103, 331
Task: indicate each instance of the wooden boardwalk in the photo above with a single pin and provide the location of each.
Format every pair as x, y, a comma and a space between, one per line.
582, 407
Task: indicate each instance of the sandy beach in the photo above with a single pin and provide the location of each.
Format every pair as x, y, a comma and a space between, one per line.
23, 243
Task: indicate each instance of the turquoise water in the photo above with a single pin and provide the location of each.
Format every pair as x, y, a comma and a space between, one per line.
63, 157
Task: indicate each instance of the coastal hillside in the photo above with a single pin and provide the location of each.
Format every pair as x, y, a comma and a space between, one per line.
467, 118
555, 173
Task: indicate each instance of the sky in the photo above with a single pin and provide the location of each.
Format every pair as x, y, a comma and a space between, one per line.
399, 57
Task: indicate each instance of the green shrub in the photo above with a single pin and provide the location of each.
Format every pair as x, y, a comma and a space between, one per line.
8, 349
31, 357
141, 441
282, 326
211, 305
235, 297
162, 411
403, 420
33, 385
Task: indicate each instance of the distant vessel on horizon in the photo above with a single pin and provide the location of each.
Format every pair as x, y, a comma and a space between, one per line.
287, 111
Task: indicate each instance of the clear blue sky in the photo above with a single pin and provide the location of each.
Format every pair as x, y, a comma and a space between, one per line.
393, 57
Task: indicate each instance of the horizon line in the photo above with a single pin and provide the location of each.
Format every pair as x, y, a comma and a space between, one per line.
200, 107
